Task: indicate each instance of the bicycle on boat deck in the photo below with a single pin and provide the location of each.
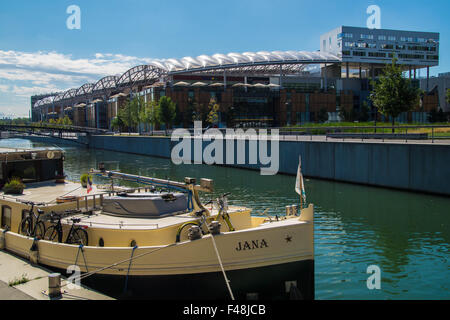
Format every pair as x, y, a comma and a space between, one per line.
31, 225
76, 235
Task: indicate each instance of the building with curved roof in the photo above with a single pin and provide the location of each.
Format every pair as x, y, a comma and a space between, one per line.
269, 88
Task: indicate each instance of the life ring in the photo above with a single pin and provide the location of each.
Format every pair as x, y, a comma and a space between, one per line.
66, 199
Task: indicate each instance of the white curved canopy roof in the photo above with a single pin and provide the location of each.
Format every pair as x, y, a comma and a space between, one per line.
233, 60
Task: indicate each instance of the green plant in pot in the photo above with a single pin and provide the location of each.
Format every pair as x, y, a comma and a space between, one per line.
84, 179
14, 186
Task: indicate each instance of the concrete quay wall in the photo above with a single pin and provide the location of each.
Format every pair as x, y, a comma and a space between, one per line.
408, 166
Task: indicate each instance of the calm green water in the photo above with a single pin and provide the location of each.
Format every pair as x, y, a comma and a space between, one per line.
406, 234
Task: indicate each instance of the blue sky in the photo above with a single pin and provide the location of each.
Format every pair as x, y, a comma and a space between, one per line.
39, 54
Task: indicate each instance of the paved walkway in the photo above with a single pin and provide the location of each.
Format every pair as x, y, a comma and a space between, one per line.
11, 293
13, 268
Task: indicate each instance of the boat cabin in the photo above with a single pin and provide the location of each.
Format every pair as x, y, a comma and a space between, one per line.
31, 165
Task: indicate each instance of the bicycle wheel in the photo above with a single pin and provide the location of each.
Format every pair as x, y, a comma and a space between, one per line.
52, 234
39, 230
79, 236
183, 232
25, 227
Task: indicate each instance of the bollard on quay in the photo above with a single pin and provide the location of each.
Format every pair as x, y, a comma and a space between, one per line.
54, 285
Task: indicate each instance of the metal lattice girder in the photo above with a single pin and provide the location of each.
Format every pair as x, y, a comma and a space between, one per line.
85, 89
59, 97
44, 102
70, 94
105, 84
145, 74
257, 70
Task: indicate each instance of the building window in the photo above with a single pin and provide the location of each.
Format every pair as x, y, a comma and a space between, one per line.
387, 46
392, 38
6, 218
377, 54
411, 56
403, 39
381, 37
349, 35
432, 57
401, 47
367, 36
346, 53
359, 53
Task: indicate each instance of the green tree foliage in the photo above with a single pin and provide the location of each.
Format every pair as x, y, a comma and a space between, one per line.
166, 111
364, 113
393, 93
117, 123
130, 114
213, 114
448, 95
149, 113
66, 121
189, 113
16, 121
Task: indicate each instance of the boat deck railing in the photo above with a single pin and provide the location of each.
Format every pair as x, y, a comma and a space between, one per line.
97, 199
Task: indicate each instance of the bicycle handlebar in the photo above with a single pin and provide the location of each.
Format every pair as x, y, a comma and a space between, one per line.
32, 203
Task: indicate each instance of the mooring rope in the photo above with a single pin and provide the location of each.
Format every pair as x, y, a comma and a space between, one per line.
221, 266
129, 267
80, 248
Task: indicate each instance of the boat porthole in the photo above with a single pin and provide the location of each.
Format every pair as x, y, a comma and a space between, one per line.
133, 243
101, 243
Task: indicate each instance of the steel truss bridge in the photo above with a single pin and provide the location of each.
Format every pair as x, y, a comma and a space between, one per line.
70, 133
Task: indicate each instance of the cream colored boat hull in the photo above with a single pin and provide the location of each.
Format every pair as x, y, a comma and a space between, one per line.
280, 243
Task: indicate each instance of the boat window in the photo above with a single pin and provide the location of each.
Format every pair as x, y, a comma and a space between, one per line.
6, 218
101, 243
133, 243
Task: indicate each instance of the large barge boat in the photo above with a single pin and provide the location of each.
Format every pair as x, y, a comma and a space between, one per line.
158, 241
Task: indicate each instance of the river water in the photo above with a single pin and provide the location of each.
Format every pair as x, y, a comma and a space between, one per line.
405, 234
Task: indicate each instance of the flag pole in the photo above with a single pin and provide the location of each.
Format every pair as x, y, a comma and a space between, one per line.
300, 183
301, 195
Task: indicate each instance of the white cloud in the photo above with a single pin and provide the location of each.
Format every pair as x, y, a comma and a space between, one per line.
100, 65
23, 74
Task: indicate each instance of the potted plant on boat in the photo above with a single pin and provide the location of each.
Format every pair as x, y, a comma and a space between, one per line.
84, 179
14, 186
60, 178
